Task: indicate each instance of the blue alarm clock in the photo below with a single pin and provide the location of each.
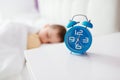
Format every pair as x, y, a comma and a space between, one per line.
78, 38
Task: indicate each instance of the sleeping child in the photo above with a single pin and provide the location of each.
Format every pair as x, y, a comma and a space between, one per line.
48, 34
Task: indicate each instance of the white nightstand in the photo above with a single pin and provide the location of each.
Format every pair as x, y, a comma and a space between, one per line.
53, 62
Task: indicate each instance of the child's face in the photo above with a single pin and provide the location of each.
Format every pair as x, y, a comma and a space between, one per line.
49, 35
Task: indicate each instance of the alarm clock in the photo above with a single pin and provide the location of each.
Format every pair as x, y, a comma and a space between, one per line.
78, 38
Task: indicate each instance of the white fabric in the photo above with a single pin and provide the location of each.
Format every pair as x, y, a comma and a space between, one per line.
12, 45
12, 8
104, 14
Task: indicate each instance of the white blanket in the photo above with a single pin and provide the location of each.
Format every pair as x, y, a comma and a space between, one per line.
13, 38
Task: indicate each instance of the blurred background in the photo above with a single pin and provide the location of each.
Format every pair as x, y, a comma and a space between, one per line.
104, 14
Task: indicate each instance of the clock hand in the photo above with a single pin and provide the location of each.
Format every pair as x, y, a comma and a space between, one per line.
77, 39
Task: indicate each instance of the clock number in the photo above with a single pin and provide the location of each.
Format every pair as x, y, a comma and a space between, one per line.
86, 40
79, 32
72, 39
77, 46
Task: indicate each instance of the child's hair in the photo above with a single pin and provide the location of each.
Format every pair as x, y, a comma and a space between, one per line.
61, 31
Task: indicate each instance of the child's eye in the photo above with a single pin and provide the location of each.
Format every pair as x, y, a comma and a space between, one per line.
48, 42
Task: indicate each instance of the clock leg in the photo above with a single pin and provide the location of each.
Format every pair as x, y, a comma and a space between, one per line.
78, 54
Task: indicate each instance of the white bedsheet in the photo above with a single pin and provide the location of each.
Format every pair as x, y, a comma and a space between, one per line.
12, 45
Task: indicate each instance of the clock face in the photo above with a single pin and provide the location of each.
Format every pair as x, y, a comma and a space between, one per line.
78, 39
